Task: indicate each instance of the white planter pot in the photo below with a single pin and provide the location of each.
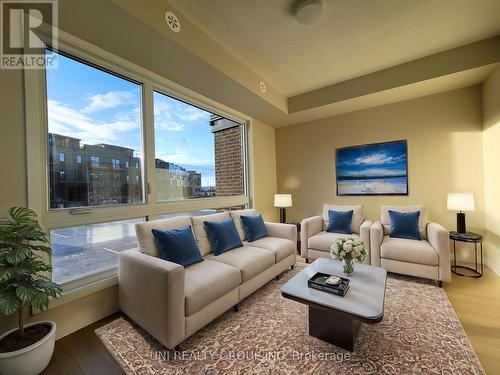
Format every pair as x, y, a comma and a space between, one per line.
31, 360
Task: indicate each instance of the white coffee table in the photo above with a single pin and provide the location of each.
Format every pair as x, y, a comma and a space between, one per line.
336, 319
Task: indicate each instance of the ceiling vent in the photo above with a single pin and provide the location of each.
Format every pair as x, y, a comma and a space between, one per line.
172, 22
262, 87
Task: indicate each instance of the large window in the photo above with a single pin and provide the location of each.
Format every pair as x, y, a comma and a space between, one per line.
94, 119
115, 142
198, 154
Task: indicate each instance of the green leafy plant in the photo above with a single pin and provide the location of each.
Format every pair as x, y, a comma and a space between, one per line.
22, 269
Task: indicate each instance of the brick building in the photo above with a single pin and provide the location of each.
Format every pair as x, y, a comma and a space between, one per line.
92, 175
174, 182
103, 174
228, 139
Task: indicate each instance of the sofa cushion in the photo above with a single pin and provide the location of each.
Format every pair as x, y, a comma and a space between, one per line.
201, 234
250, 260
281, 247
236, 217
254, 227
178, 245
386, 220
145, 238
405, 225
357, 215
339, 222
207, 281
324, 240
222, 235
411, 251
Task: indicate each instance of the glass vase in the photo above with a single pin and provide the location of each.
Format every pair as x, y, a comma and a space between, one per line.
348, 265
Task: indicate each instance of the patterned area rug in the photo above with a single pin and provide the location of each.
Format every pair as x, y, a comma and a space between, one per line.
420, 334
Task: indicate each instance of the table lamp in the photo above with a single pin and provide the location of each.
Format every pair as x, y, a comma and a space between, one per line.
461, 202
282, 201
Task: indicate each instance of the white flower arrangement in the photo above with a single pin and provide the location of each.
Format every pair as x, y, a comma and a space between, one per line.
348, 248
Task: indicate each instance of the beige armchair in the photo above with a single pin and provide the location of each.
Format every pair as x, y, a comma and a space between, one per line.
316, 241
428, 258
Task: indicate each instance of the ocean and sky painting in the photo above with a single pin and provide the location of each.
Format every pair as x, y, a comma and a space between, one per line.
375, 169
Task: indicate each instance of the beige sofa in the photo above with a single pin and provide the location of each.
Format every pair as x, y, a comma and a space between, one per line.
172, 302
428, 258
316, 242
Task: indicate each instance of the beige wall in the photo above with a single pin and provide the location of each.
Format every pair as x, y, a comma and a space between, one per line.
12, 141
263, 169
491, 141
444, 134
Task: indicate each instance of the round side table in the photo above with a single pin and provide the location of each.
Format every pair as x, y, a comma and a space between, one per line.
475, 239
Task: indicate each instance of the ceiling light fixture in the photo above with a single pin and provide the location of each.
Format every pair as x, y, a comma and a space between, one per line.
309, 11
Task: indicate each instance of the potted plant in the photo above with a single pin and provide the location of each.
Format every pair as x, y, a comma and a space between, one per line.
348, 250
27, 349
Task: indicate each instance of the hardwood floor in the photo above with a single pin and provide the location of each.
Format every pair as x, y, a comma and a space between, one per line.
82, 353
477, 304
476, 301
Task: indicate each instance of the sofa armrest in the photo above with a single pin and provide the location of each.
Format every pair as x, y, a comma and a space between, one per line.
438, 237
286, 231
308, 228
151, 292
376, 237
364, 235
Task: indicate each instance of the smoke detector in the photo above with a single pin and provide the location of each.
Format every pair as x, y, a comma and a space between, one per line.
309, 11
172, 22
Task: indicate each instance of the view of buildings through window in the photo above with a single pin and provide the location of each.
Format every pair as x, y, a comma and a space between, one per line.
94, 126
198, 154
95, 158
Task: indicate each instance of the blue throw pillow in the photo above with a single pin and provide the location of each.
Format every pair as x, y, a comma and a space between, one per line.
339, 222
405, 225
254, 227
178, 245
222, 235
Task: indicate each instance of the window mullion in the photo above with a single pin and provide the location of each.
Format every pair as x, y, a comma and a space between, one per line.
148, 143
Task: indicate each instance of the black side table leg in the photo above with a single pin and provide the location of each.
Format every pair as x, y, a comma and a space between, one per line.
475, 254
455, 253
482, 264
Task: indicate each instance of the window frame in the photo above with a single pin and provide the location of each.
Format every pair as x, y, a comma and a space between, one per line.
37, 148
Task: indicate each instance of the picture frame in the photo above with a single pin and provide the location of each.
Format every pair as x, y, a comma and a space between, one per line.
372, 169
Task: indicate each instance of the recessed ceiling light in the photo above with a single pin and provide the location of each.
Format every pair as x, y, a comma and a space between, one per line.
309, 11
172, 22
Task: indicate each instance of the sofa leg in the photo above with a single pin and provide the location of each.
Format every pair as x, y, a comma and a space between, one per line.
277, 278
439, 283
178, 348
236, 307
307, 260
292, 267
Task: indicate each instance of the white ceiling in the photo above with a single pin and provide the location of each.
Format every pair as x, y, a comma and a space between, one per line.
353, 38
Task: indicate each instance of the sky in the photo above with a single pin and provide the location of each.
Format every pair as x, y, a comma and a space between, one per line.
378, 160
98, 107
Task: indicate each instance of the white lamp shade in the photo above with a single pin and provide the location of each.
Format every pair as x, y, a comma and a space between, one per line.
283, 200
461, 202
